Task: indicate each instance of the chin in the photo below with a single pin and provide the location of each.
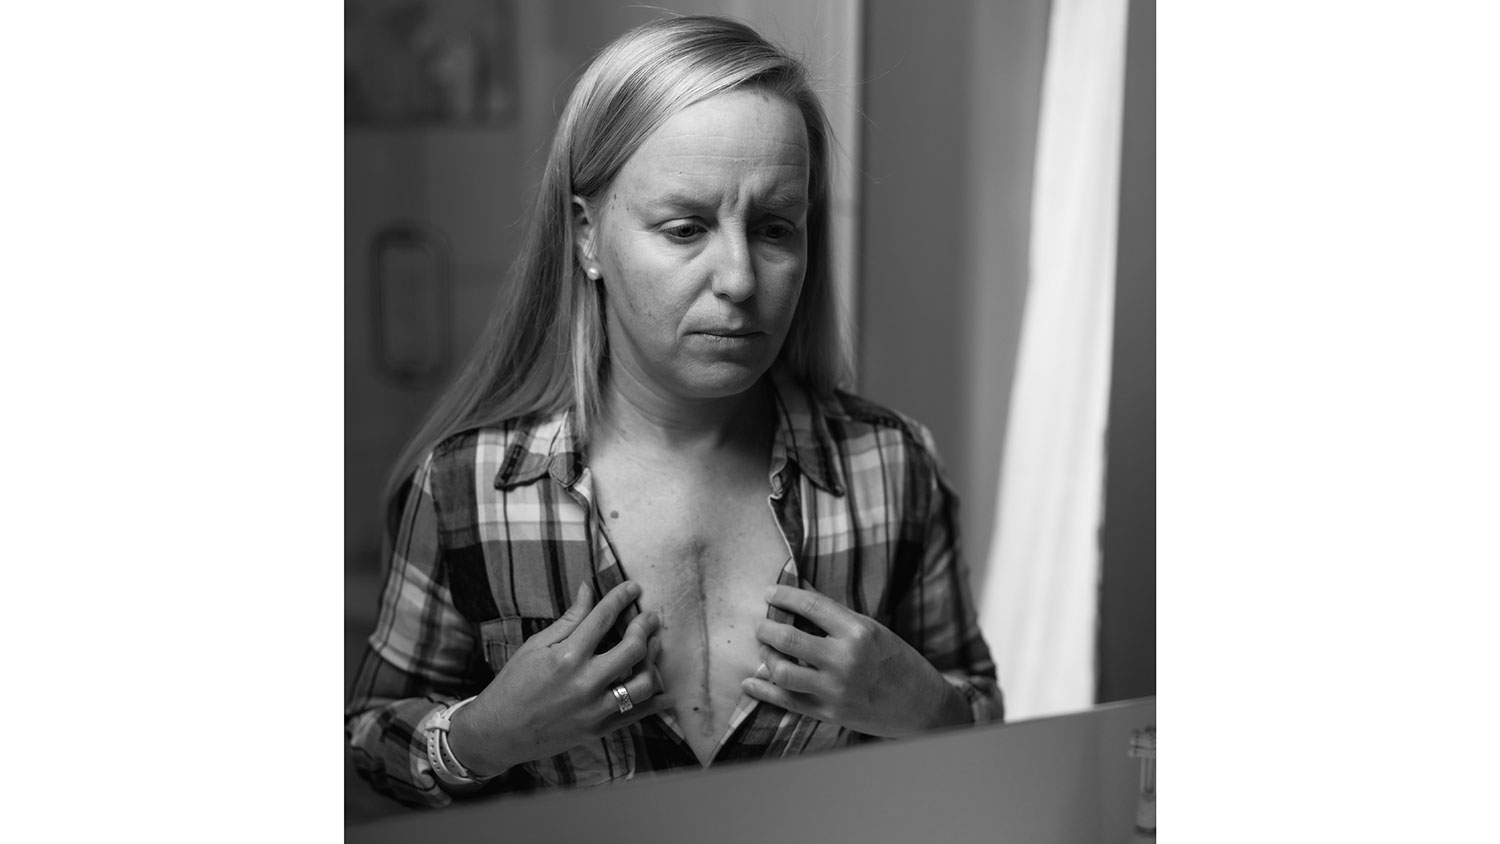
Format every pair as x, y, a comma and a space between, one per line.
722, 379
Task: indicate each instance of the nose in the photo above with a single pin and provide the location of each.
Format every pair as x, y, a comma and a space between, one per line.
734, 273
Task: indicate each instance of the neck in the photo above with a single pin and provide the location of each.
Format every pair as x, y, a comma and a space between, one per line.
636, 414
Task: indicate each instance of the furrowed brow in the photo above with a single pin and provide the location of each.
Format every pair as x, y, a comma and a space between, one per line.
679, 202
781, 200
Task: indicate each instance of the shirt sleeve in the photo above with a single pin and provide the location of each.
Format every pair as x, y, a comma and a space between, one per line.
937, 614
420, 658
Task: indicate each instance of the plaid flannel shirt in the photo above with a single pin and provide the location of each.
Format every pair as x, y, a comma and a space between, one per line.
498, 531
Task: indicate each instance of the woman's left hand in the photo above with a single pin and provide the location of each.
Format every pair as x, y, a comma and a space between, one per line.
861, 675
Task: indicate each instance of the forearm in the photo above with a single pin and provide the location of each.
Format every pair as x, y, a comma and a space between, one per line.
389, 747
389, 751
385, 723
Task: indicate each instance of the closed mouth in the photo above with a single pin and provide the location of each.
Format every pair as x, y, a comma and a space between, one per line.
730, 332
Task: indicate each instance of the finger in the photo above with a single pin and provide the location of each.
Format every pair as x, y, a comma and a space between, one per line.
653, 659
813, 650
634, 647
602, 617
833, 617
568, 621
641, 688
653, 655
618, 720
788, 675
793, 702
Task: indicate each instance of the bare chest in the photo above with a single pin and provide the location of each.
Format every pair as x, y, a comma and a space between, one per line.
703, 558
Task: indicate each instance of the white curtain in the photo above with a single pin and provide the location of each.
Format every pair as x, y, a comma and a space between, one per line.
1039, 606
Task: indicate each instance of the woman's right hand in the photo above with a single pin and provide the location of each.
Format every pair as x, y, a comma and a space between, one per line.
554, 693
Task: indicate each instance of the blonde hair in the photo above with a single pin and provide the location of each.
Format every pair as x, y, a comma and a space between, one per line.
544, 349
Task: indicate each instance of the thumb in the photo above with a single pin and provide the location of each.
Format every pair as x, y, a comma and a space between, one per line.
569, 621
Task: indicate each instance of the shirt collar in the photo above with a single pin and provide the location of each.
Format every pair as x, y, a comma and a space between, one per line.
549, 445
802, 432
546, 445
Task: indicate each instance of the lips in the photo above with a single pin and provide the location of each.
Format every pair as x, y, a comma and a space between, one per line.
729, 331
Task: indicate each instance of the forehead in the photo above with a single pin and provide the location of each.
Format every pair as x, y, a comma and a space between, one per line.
742, 145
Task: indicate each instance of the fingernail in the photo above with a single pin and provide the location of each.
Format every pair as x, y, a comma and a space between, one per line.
762, 672
770, 593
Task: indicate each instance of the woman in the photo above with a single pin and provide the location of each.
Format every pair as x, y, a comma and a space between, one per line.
586, 580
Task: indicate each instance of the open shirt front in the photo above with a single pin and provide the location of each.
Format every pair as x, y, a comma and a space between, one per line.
499, 530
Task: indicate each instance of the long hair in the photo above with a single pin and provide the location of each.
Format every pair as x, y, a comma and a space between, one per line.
544, 348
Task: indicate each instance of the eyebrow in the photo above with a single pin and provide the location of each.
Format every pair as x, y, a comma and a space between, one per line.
775, 201
780, 199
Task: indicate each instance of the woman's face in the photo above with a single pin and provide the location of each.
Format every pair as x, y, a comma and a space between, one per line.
701, 245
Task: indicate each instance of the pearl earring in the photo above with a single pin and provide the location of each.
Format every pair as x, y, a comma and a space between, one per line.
592, 272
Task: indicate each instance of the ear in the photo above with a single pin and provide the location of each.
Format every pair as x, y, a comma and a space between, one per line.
585, 231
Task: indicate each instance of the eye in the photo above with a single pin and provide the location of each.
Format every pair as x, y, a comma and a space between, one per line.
683, 232
777, 232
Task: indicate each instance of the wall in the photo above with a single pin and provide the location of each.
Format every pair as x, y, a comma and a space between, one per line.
951, 105
1127, 599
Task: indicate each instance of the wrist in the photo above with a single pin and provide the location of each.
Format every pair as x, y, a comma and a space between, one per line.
472, 750
953, 708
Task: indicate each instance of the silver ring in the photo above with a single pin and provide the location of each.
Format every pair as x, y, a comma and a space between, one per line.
622, 699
